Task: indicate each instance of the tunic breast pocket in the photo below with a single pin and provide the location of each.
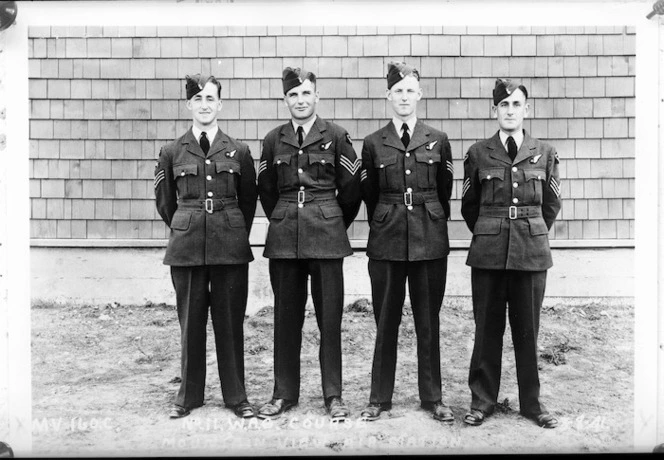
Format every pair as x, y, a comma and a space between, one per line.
321, 165
492, 180
282, 164
227, 172
186, 180
534, 178
387, 171
428, 163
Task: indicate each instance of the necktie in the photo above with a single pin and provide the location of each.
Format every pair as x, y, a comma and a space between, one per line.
300, 135
405, 139
511, 148
205, 143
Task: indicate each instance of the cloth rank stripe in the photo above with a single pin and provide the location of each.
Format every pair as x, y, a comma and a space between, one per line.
158, 178
450, 167
555, 186
262, 166
363, 175
466, 186
351, 166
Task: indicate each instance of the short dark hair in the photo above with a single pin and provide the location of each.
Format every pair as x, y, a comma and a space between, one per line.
215, 82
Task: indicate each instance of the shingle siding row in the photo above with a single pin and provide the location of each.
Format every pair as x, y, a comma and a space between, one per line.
104, 99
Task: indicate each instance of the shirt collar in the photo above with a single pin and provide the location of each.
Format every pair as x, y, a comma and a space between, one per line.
399, 123
518, 138
211, 132
307, 126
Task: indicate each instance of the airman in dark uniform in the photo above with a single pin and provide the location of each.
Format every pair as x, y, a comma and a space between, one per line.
406, 184
511, 197
205, 186
309, 186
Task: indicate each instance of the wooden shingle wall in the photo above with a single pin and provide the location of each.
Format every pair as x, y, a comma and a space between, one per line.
104, 99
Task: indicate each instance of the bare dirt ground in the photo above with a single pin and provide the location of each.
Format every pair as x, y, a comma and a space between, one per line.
104, 377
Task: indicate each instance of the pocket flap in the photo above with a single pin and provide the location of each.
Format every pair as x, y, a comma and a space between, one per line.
331, 211
380, 213
231, 167
181, 220
283, 158
380, 161
279, 212
435, 209
537, 174
321, 158
487, 226
537, 226
427, 157
185, 170
491, 173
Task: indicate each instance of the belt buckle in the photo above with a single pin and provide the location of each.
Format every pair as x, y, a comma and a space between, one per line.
300, 197
209, 205
408, 198
513, 212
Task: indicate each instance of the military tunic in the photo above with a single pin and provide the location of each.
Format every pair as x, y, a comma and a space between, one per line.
311, 194
407, 194
208, 201
510, 207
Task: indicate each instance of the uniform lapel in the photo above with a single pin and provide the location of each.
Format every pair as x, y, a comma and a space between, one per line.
391, 138
193, 146
288, 135
315, 134
527, 150
219, 144
420, 136
497, 149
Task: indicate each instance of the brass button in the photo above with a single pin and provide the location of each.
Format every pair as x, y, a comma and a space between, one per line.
300, 152
182, 173
322, 161
409, 189
300, 205
514, 169
539, 177
209, 177
410, 208
302, 187
515, 184
515, 200
299, 170
407, 154
488, 176
207, 162
430, 161
230, 171
210, 193
278, 162
382, 166
407, 171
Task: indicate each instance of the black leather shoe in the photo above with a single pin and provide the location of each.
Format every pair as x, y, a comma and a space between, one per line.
440, 411
275, 408
337, 409
244, 409
475, 417
373, 410
544, 420
178, 412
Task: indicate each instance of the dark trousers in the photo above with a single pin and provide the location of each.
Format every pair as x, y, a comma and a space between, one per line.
523, 291
222, 288
426, 285
289, 283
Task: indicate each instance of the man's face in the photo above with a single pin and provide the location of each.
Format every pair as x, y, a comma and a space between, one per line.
404, 96
301, 101
511, 111
205, 106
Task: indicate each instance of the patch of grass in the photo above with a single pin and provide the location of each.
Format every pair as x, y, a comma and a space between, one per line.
556, 353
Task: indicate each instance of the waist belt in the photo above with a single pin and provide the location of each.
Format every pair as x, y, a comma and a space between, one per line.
210, 205
408, 198
304, 196
511, 212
